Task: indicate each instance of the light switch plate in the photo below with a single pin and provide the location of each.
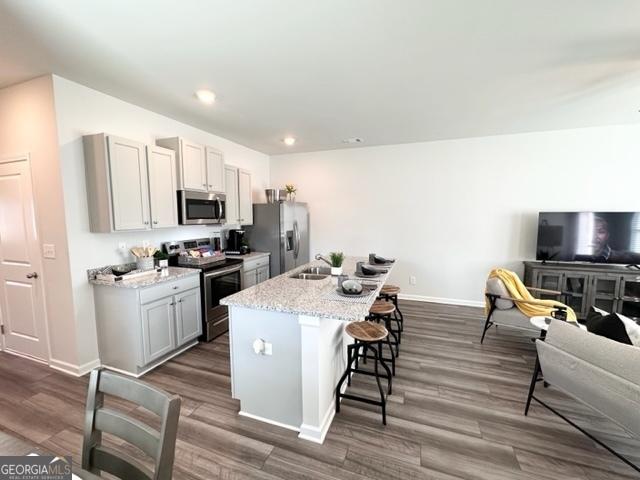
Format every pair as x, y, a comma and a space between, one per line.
268, 348
48, 250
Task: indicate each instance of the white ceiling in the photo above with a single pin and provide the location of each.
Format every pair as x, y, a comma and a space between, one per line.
389, 71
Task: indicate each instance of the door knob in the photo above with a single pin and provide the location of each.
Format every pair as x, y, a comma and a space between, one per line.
32, 275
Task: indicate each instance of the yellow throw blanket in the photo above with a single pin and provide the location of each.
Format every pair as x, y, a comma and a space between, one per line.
517, 290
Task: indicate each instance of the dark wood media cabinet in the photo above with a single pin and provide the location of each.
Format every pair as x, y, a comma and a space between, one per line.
614, 288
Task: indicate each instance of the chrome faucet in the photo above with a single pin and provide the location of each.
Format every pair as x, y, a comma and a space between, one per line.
320, 257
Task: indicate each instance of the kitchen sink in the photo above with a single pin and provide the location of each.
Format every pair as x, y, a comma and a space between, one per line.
309, 276
318, 270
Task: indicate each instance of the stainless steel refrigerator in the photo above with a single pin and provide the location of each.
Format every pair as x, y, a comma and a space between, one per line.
281, 229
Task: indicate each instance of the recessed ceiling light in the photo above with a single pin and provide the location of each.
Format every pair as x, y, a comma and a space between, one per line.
206, 96
289, 141
353, 140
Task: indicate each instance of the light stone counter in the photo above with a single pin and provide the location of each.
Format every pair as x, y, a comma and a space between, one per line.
167, 275
305, 297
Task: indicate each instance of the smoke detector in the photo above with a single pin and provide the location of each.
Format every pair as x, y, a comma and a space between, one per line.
353, 140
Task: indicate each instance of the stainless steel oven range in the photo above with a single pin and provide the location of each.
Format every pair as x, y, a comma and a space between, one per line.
219, 278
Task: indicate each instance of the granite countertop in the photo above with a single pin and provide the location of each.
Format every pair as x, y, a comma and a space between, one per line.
249, 256
167, 275
305, 297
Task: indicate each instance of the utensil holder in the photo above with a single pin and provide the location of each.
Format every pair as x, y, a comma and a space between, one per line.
145, 263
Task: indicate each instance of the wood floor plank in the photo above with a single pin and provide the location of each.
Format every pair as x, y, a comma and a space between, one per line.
456, 413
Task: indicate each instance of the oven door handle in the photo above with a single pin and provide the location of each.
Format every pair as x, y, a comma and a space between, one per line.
218, 273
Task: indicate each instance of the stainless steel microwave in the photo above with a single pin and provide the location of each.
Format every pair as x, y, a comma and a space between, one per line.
201, 208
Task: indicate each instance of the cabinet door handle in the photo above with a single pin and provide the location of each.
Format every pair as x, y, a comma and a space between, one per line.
204, 184
210, 185
172, 303
180, 301
146, 222
175, 287
32, 275
155, 222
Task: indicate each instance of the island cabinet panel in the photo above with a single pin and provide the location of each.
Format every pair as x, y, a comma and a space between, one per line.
188, 316
158, 332
269, 385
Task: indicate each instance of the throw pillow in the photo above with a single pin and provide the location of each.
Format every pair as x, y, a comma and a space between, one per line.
610, 326
632, 328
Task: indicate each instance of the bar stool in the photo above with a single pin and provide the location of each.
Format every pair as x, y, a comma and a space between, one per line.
382, 311
366, 335
390, 292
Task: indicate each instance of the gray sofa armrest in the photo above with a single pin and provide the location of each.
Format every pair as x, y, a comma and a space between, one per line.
615, 357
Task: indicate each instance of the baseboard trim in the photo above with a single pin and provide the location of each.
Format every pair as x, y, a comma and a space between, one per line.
318, 434
266, 420
75, 370
446, 301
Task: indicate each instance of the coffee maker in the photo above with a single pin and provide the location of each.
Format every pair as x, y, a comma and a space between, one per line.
235, 243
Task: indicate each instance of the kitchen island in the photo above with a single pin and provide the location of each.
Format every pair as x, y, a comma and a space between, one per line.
288, 348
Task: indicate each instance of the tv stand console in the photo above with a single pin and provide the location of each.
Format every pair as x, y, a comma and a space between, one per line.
614, 288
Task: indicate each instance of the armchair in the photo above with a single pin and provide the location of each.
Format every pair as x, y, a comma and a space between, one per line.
502, 309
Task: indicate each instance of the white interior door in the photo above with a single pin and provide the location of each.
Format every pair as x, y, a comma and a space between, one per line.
22, 305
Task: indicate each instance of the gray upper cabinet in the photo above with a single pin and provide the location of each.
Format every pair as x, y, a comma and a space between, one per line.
239, 199
198, 167
128, 184
215, 170
162, 187
231, 184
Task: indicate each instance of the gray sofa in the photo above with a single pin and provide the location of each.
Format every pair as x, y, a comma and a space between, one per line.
601, 373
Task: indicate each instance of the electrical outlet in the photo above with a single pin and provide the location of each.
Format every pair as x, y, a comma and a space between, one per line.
122, 246
412, 280
268, 348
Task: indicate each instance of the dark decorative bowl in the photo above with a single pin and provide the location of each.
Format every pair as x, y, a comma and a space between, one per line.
369, 271
351, 287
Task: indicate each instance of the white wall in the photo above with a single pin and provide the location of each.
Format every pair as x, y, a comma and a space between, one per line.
28, 126
449, 211
81, 111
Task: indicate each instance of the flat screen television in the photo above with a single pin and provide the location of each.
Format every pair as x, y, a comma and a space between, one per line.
599, 237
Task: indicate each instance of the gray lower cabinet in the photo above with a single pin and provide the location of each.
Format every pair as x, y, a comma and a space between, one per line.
613, 288
140, 328
256, 270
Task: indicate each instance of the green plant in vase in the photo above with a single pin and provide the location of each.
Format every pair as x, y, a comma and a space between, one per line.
336, 259
291, 191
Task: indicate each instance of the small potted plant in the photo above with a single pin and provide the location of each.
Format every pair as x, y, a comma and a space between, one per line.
336, 262
291, 191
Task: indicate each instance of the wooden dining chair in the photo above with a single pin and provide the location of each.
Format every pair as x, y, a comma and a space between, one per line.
160, 446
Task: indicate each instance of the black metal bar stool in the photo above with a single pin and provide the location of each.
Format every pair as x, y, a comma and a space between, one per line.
368, 336
382, 311
390, 293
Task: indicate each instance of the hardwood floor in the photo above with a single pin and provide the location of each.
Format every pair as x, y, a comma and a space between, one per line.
456, 413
